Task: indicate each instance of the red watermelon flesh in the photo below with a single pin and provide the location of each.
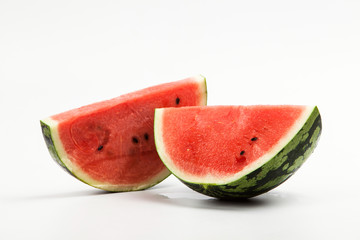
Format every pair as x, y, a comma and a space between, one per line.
110, 145
213, 143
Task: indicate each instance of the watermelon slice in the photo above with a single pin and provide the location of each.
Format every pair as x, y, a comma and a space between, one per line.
110, 144
232, 152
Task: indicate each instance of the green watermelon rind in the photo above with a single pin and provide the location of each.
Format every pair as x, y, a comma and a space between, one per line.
57, 152
274, 172
46, 132
204, 90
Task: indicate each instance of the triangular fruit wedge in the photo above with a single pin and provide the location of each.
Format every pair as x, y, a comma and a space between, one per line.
232, 152
110, 144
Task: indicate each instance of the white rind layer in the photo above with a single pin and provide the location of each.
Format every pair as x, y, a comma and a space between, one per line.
216, 179
201, 81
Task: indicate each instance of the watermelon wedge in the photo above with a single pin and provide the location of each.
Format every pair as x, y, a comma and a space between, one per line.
232, 152
110, 144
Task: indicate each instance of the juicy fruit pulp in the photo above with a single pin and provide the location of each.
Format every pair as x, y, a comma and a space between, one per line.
212, 148
110, 144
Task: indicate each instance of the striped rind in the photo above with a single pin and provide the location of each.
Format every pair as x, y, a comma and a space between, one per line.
273, 172
48, 137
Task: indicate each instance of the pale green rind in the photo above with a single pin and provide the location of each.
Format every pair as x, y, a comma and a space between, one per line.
205, 96
46, 132
273, 172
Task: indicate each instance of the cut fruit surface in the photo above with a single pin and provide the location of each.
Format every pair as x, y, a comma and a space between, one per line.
235, 151
110, 144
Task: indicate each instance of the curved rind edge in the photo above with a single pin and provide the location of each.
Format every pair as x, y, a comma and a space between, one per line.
47, 134
275, 171
158, 122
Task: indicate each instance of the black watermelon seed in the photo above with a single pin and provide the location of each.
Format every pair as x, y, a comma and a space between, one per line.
242, 152
254, 139
100, 147
146, 136
177, 101
135, 140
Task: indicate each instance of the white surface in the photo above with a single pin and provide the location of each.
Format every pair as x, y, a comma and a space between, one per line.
57, 55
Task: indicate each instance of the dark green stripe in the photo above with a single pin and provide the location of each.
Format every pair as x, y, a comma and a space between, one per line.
46, 131
275, 171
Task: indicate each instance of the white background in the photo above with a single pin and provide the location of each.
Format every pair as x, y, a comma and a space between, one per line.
58, 55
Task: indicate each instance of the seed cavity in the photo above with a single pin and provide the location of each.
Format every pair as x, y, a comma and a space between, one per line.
100, 147
146, 136
135, 140
254, 139
242, 152
177, 101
